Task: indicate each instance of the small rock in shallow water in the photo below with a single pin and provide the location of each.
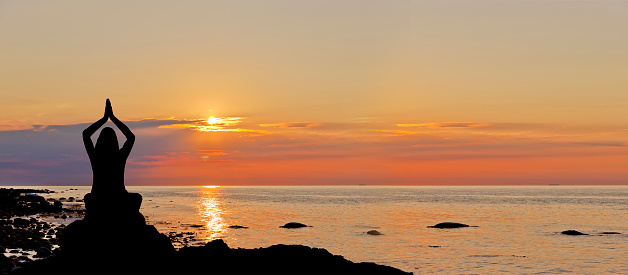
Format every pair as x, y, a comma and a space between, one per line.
449, 225
237, 227
374, 232
6, 263
572, 232
43, 252
293, 225
195, 225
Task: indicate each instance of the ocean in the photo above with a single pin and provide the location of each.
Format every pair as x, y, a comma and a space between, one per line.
518, 228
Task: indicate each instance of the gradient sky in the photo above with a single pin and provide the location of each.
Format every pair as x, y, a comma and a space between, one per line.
319, 92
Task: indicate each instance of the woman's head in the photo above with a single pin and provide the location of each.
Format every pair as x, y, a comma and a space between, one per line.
107, 141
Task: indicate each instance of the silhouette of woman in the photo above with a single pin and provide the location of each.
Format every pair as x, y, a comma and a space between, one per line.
109, 197
107, 159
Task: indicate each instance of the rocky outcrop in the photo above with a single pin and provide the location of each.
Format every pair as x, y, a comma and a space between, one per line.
24, 202
572, 232
114, 231
237, 227
293, 225
374, 232
216, 257
449, 225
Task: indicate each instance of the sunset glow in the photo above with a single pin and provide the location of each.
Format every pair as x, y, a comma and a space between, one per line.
319, 93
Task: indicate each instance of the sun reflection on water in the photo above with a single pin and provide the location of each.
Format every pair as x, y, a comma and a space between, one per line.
211, 211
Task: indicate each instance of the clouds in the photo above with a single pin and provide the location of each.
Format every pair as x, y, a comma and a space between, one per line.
289, 125
243, 150
446, 125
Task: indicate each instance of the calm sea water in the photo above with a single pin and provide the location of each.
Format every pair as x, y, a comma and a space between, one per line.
518, 228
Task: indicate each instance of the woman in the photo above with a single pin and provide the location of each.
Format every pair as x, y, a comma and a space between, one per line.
107, 159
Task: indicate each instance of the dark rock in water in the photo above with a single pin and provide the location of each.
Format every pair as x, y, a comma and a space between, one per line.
57, 204
43, 252
237, 227
19, 222
374, 232
610, 233
194, 225
572, 232
293, 225
6, 263
449, 225
33, 198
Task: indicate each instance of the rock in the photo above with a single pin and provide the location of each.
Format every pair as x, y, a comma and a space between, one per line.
6, 263
195, 225
114, 231
293, 225
374, 232
19, 222
572, 232
277, 259
33, 198
217, 246
43, 252
449, 225
23, 258
610, 233
237, 227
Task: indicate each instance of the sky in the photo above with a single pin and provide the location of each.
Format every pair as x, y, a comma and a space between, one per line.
249, 92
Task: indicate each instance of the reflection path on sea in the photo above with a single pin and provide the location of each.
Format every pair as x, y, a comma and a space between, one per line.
211, 211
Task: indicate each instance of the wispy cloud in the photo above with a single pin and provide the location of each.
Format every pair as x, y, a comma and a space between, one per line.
288, 125
212, 152
446, 125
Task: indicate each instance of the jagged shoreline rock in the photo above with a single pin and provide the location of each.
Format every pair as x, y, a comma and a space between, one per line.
216, 257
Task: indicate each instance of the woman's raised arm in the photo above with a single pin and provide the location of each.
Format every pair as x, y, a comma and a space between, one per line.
87, 134
130, 137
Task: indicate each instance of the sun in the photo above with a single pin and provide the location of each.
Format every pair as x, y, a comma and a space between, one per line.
213, 120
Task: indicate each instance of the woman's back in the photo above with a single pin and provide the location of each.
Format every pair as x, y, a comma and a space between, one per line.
107, 159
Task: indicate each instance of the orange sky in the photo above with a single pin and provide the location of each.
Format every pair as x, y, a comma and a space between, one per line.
319, 92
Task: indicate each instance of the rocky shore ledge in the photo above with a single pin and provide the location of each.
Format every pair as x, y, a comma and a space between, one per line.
95, 245
214, 258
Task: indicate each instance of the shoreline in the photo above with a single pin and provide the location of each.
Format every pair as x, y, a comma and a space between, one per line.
32, 244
